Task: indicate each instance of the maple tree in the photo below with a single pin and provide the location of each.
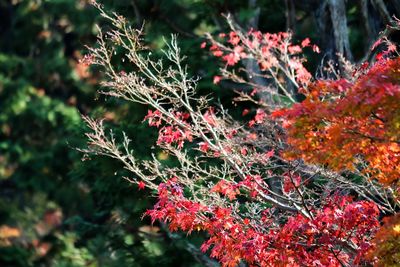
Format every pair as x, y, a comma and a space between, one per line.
244, 183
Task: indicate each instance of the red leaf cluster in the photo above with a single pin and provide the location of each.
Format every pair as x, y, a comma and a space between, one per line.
299, 241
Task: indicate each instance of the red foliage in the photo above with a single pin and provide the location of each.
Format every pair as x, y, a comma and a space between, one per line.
274, 49
141, 185
299, 241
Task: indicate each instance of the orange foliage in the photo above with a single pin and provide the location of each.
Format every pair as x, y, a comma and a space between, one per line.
344, 123
7, 233
387, 243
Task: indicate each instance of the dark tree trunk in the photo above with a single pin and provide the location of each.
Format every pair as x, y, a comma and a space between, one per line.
331, 23
337, 10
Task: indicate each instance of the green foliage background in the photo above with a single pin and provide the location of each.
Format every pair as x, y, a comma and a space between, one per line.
42, 175
70, 212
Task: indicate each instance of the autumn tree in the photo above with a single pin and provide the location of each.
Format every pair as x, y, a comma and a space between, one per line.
303, 187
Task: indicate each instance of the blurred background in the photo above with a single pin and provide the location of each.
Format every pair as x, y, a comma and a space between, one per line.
57, 209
